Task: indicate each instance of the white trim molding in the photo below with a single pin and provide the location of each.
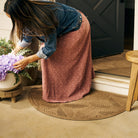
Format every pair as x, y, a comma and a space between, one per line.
111, 83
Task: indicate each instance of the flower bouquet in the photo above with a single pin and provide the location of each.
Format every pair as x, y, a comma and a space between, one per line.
6, 65
7, 69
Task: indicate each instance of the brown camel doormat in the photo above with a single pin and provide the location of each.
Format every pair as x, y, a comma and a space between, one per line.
95, 105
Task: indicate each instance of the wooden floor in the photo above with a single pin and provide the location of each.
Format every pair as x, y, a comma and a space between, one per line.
116, 65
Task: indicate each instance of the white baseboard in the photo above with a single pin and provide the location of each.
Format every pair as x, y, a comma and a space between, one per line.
111, 83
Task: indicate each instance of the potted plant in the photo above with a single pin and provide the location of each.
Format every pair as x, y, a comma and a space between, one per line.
10, 78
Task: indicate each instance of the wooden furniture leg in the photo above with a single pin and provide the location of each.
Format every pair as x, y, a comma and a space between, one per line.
133, 87
13, 99
11, 94
132, 56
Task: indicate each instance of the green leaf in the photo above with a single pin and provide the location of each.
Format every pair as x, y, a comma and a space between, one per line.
24, 52
32, 65
17, 78
5, 46
25, 74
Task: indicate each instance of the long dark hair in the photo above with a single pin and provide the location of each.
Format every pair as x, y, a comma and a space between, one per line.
38, 17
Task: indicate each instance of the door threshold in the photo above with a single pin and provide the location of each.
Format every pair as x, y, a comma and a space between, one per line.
111, 83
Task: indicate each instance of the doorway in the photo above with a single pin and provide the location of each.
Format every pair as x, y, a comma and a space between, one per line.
117, 64
112, 26
106, 18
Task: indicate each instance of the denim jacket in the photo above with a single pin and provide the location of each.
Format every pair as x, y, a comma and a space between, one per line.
69, 20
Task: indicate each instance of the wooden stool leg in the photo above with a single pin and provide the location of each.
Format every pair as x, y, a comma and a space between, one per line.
132, 86
13, 99
136, 92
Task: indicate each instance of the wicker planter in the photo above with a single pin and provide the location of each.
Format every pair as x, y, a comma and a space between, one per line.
11, 94
9, 83
8, 88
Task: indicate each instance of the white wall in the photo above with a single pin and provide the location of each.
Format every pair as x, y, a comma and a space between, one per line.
5, 22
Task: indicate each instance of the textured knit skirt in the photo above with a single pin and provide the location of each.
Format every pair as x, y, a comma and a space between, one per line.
67, 74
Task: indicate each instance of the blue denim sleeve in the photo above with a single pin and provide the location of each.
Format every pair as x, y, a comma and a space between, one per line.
49, 48
27, 40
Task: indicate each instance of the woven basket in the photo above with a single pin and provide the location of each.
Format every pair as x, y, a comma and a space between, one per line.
9, 83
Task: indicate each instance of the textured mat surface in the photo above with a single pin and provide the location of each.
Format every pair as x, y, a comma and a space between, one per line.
116, 65
96, 105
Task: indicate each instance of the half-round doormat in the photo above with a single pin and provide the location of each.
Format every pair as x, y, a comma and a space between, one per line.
96, 105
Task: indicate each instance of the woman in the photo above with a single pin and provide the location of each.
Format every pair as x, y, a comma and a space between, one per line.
66, 53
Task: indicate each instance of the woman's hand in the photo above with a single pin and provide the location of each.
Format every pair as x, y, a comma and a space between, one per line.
20, 65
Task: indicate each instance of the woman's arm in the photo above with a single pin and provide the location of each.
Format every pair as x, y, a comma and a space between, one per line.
25, 42
20, 65
49, 46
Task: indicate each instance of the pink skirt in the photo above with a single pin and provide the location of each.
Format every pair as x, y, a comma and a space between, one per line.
67, 74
